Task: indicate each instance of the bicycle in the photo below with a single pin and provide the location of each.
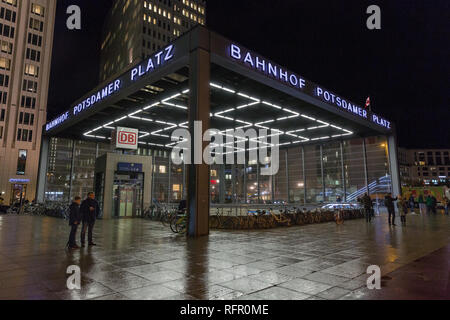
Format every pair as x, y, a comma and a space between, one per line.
222, 221
179, 224
339, 217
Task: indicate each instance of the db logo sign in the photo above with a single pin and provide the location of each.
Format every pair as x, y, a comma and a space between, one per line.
127, 138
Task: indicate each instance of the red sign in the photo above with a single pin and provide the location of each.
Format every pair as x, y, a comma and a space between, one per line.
126, 138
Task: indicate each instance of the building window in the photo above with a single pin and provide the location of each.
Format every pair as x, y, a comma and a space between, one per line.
37, 9
6, 47
8, 15
34, 39
31, 70
36, 25
4, 80
5, 63
29, 86
11, 2
21, 162
6, 30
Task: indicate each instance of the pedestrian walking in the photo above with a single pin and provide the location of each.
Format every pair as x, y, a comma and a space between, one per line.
422, 205
433, 204
412, 203
447, 206
389, 203
74, 222
429, 204
89, 211
403, 209
367, 203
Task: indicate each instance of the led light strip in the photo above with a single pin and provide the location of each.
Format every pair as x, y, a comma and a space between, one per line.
219, 114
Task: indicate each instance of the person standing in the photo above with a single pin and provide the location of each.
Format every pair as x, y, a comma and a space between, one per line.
403, 209
447, 205
389, 203
89, 211
422, 206
74, 222
433, 204
429, 203
367, 203
412, 203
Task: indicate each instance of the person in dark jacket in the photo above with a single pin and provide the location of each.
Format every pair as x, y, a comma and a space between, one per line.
433, 204
367, 203
74, 221
389, 203
89, 211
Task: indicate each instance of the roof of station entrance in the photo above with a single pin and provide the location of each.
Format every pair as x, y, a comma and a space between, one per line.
241, 97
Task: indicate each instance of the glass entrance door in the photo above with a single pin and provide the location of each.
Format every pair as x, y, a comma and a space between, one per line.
18, 193
128, 195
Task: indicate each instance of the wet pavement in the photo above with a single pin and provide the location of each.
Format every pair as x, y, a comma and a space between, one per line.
139, 259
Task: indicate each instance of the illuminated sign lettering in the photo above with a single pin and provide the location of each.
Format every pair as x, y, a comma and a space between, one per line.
276, 72
97, 97
57, 121
152, 62
380, 121
266, 67
340, 102
144, 68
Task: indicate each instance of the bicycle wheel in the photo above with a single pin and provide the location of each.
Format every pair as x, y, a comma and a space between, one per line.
181, 225
173, 224
214, 222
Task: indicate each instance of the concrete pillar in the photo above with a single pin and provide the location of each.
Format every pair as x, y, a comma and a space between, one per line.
42, 174
393, 165
286, 163
72, 173
322, 173
366, 172
304, 175
199, 110
344, 186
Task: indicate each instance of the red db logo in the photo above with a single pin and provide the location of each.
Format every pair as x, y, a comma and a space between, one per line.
126, 137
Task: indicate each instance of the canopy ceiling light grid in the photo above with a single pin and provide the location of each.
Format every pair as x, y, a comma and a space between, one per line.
235, 115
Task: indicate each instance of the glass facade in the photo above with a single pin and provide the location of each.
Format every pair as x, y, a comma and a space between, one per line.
307, 174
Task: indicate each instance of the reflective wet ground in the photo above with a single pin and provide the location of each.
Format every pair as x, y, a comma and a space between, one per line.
139, 259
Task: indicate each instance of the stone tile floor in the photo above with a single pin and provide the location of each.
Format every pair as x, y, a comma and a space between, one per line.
139, 259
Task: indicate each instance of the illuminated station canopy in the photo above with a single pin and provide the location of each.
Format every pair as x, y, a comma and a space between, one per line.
247, 91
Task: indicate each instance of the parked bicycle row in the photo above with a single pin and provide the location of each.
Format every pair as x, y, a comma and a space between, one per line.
51, 209
271, 218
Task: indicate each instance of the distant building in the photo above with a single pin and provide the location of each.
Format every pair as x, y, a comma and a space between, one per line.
26, 30
424, 166
135, 29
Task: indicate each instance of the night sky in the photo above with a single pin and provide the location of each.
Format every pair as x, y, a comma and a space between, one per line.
404, 67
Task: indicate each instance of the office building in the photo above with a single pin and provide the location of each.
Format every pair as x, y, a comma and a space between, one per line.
134, 29
26, 33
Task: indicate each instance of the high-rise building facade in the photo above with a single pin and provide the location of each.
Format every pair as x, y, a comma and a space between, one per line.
135, 28
26, 37
424, 166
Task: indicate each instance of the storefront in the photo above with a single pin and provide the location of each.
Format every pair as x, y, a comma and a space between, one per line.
326, 145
